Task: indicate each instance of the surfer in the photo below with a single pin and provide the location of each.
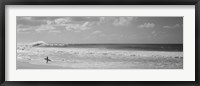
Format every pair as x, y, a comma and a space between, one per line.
47, 59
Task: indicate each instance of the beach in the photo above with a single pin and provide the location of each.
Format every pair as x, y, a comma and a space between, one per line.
96, 58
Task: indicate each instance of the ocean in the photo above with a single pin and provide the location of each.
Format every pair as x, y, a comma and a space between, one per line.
143, 47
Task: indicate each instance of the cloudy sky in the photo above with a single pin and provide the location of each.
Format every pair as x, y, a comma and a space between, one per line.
109, 29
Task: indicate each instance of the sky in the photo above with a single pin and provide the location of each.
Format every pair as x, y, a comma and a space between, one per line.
100, 29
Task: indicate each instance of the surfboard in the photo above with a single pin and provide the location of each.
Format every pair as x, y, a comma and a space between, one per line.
47, 59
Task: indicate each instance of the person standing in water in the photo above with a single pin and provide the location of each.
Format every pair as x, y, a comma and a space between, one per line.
47, 59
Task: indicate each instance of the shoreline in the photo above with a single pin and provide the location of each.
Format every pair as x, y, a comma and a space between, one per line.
88, 58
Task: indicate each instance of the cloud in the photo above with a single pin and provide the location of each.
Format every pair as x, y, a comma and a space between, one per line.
76, 24
24, 28
105, 20
85, 18
147, 25
121, 21
29, 21
25, 24
49, 22
41, 28
154, 33
116, 21
54, 31
97, 32
62, 21
174, 26
71, 27
78, 27
26, 17
44, 28
85, 24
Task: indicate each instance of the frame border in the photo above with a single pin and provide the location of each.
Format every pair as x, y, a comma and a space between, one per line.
3, 3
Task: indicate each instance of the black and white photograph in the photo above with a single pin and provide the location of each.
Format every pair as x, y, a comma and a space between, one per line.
99, 42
